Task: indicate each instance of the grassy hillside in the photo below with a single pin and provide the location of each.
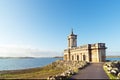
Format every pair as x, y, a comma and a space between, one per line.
53, 69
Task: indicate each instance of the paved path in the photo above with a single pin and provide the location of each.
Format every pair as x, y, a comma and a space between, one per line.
92, 71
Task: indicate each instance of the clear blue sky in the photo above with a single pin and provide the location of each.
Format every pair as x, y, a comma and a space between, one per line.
45, 24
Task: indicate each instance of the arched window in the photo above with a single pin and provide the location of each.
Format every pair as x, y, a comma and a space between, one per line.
72, 57
84, 57
78, 57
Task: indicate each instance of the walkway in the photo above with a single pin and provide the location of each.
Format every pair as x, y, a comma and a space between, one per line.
92, 71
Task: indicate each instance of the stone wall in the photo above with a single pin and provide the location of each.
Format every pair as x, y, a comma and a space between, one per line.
89, 52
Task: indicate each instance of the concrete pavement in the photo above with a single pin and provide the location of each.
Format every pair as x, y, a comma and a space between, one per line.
92, 71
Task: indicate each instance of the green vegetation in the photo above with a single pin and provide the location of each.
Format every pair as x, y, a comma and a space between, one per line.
111, 76
112, 68
58, 68
43, 73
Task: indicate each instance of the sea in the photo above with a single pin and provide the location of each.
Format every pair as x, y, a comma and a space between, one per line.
25, 63
113, 59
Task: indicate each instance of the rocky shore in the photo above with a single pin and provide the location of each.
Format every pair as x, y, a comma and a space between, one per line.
71, 68
57, 70
113, 68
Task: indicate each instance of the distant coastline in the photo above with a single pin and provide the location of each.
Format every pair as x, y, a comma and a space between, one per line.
47, 57
112, 56
28, 57
58, 57
16, 57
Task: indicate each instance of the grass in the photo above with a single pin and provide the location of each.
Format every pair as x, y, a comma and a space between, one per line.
109, 74
35, 73
55, 68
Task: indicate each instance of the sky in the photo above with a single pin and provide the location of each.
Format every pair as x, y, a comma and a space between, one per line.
40, 27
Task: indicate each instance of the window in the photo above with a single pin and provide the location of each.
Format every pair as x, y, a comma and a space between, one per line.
84, 58
78, 57
72, 57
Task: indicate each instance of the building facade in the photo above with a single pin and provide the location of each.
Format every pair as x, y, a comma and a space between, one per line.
89, 52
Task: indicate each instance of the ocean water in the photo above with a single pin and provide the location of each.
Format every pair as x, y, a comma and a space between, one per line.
16, 63
113, 59
24, 63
